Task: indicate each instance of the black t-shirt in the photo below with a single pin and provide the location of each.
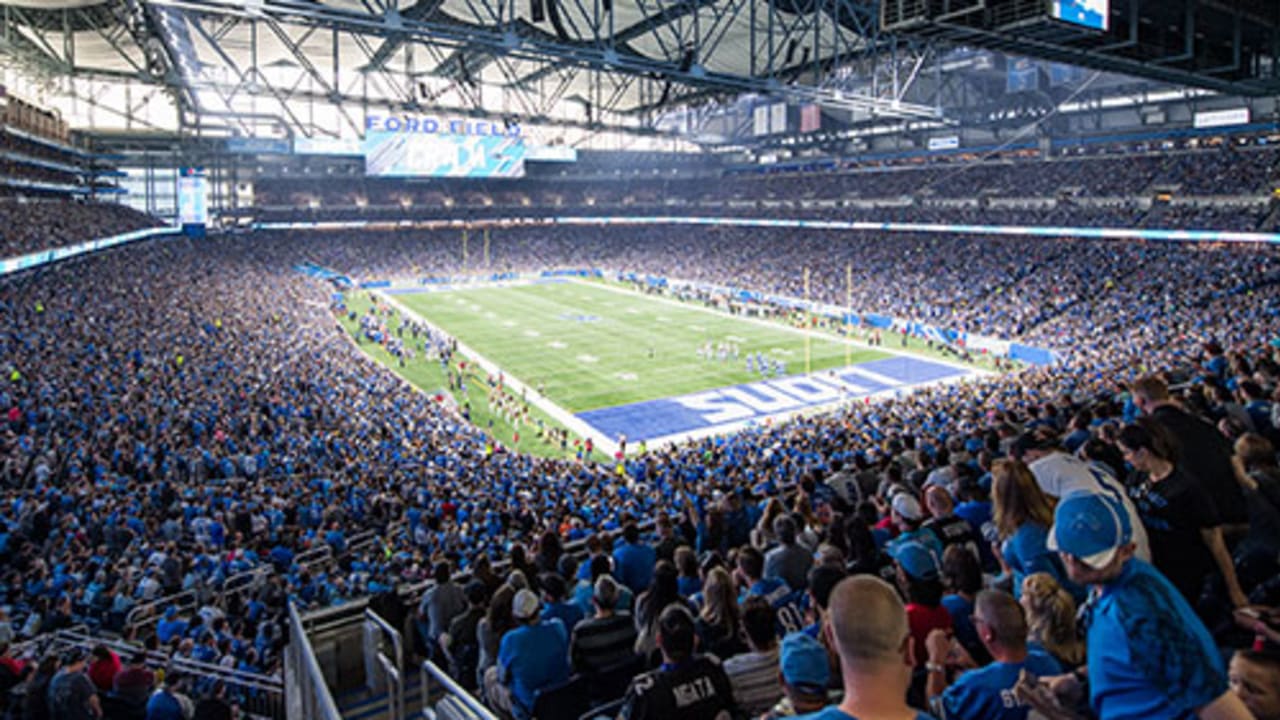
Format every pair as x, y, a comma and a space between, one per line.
69, 695
1206, 456
954, 530
212, 709
696, 689
1174, 511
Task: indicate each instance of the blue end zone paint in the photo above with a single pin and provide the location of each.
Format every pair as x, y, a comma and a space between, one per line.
755, 401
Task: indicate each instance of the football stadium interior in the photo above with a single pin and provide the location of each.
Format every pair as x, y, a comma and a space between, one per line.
639, 359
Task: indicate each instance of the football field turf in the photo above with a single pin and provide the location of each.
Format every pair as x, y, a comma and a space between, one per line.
609, 361
592, 347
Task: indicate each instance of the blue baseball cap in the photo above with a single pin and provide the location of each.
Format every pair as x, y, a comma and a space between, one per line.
804, 664
1091, 526
917, 560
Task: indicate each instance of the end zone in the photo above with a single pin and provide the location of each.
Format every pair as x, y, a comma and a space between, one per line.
727, 409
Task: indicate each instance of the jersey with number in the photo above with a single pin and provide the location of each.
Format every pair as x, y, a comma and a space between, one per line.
987, 693
696, 689
790, 604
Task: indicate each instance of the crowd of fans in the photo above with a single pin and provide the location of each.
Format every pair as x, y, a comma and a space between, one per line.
33, 225
178, 412
1227, 171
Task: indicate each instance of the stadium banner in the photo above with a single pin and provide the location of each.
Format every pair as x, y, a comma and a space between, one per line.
1030, 355
193, 201
1093, 14
810, 118
778, 118
947, 142
760, 120
987, 345
398, 154
1221, 118
257, 146
19, 263
878, 321
1060, 231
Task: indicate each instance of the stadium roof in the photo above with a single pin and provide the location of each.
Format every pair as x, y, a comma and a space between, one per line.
614, 62
316, 68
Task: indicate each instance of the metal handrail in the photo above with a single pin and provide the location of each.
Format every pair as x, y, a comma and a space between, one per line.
144, 611
314, 556
307, 667
242, 583
396, 642
430, 670
395, 687
267, 682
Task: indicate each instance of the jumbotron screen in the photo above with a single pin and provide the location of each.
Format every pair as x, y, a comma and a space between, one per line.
408, 154
1089, 13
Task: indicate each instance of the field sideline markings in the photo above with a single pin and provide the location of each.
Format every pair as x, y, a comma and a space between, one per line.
604, 443
794, 330
559, 414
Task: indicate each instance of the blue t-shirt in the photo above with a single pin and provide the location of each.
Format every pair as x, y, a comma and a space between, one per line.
164, 706
833, 712
962, 621
1150, 657
633, 566
533, 657
1026, 553
987, 692
566, 612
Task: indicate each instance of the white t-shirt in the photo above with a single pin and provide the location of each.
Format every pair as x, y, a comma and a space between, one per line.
1059, 474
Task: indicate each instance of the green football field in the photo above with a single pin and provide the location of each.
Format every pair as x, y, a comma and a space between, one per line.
591, 346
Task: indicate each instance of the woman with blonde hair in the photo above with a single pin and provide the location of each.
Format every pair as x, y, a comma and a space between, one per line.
1023, 514
717, 623
1051, 619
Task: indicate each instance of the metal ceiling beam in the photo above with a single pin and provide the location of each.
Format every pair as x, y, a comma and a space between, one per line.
502, 40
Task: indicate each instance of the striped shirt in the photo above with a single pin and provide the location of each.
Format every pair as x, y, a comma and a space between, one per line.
600, 643
754, 676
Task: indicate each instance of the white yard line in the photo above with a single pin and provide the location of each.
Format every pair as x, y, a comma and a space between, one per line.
608, 445
537, 399
787, 328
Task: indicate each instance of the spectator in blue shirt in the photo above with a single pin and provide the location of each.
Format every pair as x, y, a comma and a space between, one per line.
633, 560
1149, 656
557, 607
533, 656
171, 626
169, 702
986, 693
1023, 514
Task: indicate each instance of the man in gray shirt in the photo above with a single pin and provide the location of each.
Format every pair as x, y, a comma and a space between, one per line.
788, 561
440, 605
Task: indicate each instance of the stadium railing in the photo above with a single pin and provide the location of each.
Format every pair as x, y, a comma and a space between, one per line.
381, 669
455, 702
184, 601
307, 694
258, 695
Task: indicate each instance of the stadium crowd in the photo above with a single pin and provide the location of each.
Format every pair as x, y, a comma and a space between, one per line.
178, 412
1217, 173
33, 225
